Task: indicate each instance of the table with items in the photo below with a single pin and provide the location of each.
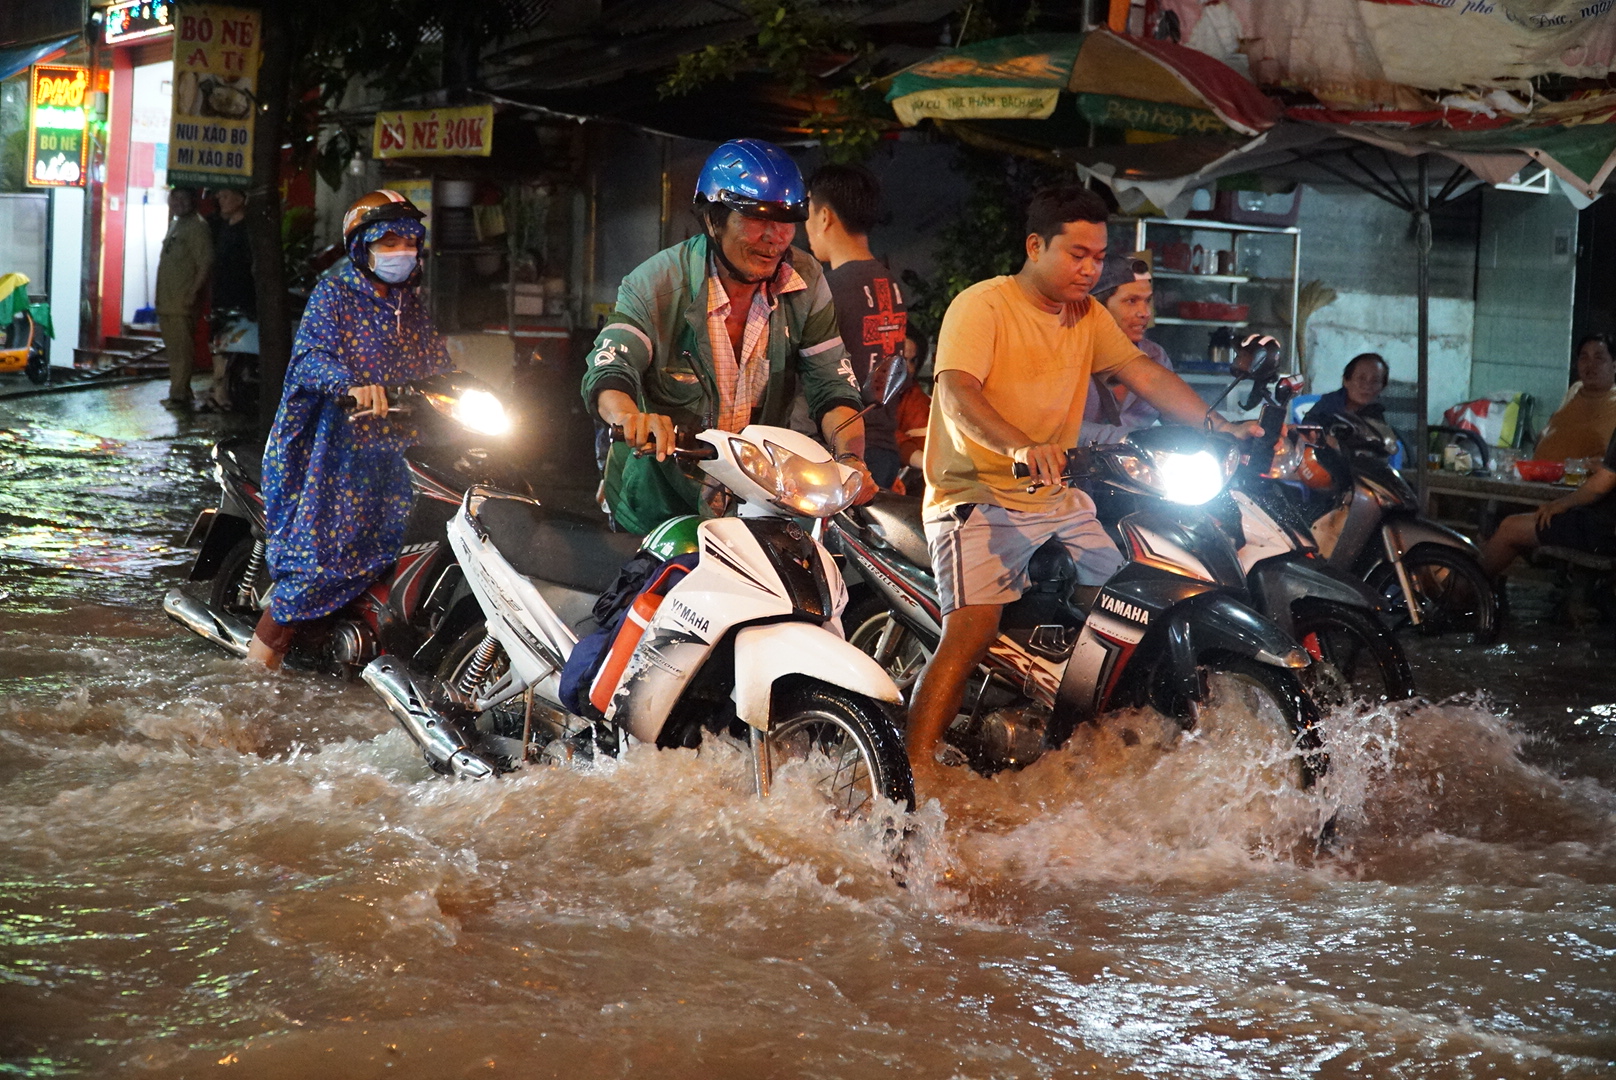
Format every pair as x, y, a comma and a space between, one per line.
1491, 492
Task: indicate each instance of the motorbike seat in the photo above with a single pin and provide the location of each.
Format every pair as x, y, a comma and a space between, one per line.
551, 546
896, 520
247, 455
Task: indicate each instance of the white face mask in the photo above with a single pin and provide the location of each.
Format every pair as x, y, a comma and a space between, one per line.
393, 267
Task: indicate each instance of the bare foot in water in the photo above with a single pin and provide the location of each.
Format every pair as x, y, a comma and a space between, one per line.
263, 655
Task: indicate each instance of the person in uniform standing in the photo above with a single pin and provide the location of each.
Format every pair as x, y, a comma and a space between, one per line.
183, 269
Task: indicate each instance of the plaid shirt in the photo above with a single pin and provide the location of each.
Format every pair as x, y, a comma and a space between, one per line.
742, 380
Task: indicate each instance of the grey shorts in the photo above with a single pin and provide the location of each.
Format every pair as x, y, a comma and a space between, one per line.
980, 552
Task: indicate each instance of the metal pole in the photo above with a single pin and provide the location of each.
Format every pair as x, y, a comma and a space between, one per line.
1422, 240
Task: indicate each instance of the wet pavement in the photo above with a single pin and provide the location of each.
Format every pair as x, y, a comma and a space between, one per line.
206, 869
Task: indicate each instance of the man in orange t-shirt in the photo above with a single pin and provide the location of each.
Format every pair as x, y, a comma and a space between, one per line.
1014, 360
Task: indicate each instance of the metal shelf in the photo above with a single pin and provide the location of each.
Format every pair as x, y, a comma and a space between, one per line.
1221, 279
1217, 226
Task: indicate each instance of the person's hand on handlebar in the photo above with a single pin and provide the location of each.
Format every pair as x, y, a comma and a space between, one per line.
369, 400
1240, 429
641, 430
1045, 461
868, 489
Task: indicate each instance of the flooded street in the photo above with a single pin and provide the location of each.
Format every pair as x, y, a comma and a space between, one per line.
208, 871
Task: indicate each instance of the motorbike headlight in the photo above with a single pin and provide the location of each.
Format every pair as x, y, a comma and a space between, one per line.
814, 488
1191, 479
798, 484
755, 464
482, 412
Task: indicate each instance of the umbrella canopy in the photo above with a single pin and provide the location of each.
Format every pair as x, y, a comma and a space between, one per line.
1118, 81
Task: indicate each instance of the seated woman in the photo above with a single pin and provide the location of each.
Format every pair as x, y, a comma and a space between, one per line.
1584, 519
1586, 419
1110, 412
1362, 382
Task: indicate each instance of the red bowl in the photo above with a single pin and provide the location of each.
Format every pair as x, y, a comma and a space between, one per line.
1541, 472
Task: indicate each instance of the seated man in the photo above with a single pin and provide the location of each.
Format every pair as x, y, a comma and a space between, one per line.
1014, 363
1585, 420
1362, 382
1584, 519
1112, 410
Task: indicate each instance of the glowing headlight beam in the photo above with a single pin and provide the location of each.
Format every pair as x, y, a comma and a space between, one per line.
1191, 479
482, 412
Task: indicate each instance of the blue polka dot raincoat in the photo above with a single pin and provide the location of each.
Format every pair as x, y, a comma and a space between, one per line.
337, 491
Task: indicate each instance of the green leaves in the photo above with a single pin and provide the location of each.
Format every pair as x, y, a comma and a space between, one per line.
802, 47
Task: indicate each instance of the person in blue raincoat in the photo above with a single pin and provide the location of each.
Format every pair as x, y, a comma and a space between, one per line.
337, 489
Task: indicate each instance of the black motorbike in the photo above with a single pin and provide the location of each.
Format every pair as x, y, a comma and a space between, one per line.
1427, 576
1173, 628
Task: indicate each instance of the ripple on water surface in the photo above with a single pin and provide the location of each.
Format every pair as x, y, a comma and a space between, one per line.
205, 866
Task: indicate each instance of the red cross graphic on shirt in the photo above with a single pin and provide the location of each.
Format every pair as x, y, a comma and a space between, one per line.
886, 327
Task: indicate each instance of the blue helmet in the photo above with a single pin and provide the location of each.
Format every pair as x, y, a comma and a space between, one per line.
754, 178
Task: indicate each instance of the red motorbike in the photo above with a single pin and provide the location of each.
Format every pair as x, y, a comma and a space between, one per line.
409, 610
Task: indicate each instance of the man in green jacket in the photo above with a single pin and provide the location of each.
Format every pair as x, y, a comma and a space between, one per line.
717, 332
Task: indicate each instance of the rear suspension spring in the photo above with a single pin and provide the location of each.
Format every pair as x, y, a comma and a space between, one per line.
249, 577
477, 670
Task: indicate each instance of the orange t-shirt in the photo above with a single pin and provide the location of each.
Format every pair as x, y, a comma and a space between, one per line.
1035, 367
1580, 427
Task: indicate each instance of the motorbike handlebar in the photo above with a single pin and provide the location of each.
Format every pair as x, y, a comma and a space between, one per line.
396, 406
685, 448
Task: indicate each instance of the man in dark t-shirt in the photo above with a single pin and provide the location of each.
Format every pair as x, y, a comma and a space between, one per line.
232, 255
844, 203
1585, 519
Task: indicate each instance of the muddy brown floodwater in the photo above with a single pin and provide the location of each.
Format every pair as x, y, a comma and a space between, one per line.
207, 872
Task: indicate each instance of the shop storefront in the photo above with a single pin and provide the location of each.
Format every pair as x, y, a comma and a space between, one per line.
45, 105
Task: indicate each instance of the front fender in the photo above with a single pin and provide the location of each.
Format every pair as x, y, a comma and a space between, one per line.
1407, 533
1217, 622
1277, 583
763, 654
224, 532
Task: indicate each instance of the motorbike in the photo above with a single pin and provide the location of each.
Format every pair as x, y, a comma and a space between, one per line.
404, 611
1172, 629
1333, 614
235, 339
746, 643
1427, 575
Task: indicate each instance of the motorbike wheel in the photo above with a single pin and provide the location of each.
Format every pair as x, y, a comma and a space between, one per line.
1355, 656
1273, 715
872, 629
226, 593
1452, 591
852, 749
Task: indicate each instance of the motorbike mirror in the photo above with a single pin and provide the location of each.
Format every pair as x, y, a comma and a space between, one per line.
888, 379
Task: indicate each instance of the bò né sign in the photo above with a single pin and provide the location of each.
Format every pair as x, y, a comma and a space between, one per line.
464, 132
56, 121
216, 51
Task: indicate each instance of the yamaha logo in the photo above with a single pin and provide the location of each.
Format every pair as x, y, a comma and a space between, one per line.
1128, 611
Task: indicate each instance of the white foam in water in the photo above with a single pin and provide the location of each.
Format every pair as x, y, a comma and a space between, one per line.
1137, 903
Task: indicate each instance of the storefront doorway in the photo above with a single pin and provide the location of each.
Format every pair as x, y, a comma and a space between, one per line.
146, 189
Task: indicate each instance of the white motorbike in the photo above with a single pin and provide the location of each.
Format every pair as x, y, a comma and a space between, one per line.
748, 642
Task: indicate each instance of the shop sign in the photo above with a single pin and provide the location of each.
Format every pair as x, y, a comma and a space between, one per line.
216, 52
467, 132
131, 20
56, 121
